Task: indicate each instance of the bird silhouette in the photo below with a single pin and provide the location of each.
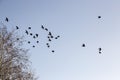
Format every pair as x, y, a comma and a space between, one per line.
28, 42
53, 51
56, 37
31, 34
36, 35
33, 46
83, 45
50, 33
17, 27
100, 49
29, 27
26, 32
46, 29
6, 19
51, 36
99, 17
17, 38
47, 43
49, 39
37, 41
42, 27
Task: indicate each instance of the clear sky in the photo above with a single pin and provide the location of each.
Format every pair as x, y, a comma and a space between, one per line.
76, 22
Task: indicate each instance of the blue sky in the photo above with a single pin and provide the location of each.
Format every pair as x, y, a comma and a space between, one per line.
76, 22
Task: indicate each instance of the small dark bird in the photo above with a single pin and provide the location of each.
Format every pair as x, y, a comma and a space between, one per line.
48, 46
42, 27
83, 45
6, 19
51, 36
36, 35
26, 32
50, 33
99, 52
31, 34
100, 49
49, 39
99, 17
28, 42
47, 43
37, 41
46, 29
53, 51
17, 27
17, 38
33, 46
56, 37
29, 27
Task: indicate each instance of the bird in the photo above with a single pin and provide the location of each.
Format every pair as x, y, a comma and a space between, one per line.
99, 17
17, 27
6, 19
48, 46
31, 34
83, 45
100, 49
47, 43
28, 42
36, 35
17, 38
50, 33
33, 46
99, 52
29, 27
46, 29
53, 51
37, 41
26, 32
51, 36
42, 26
56, 37
49, 39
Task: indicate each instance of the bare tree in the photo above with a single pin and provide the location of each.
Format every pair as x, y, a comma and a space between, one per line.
14, 61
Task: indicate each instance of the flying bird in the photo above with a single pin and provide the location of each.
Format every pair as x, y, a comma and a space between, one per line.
37, 41
100, 50
83, 45
49, 39
99, 17
28, 42
31, 34
50, 33
42, 27
33, 46
53, 51
17, 38
29, 27
17, 27
36, 35
51, 36
46, 29
26, 32
6, 19
56, 37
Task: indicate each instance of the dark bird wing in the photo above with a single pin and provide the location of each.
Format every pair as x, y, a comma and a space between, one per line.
6, 19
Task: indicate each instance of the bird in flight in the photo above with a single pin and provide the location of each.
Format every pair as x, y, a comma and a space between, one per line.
36, 35
6, 19
46, 29
26, 32
31, 34
99, 17
17, 27
100, 50
42, 27
53, 51
83, 45
29, 27
28, 42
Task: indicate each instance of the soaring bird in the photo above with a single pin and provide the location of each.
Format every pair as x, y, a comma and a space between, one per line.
26, 32
48, 46
42, 26
53, 51
56, 37
29, 27
46, 29
83, 45
100, 49
49, 39
36, 35
33, 46
50, 33
99, 17
17, 27
28, 42
51, 36
6, 19
37, 41
47, 43
31, 34
17, 38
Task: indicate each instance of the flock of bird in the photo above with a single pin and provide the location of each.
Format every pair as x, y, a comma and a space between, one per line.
49, 36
